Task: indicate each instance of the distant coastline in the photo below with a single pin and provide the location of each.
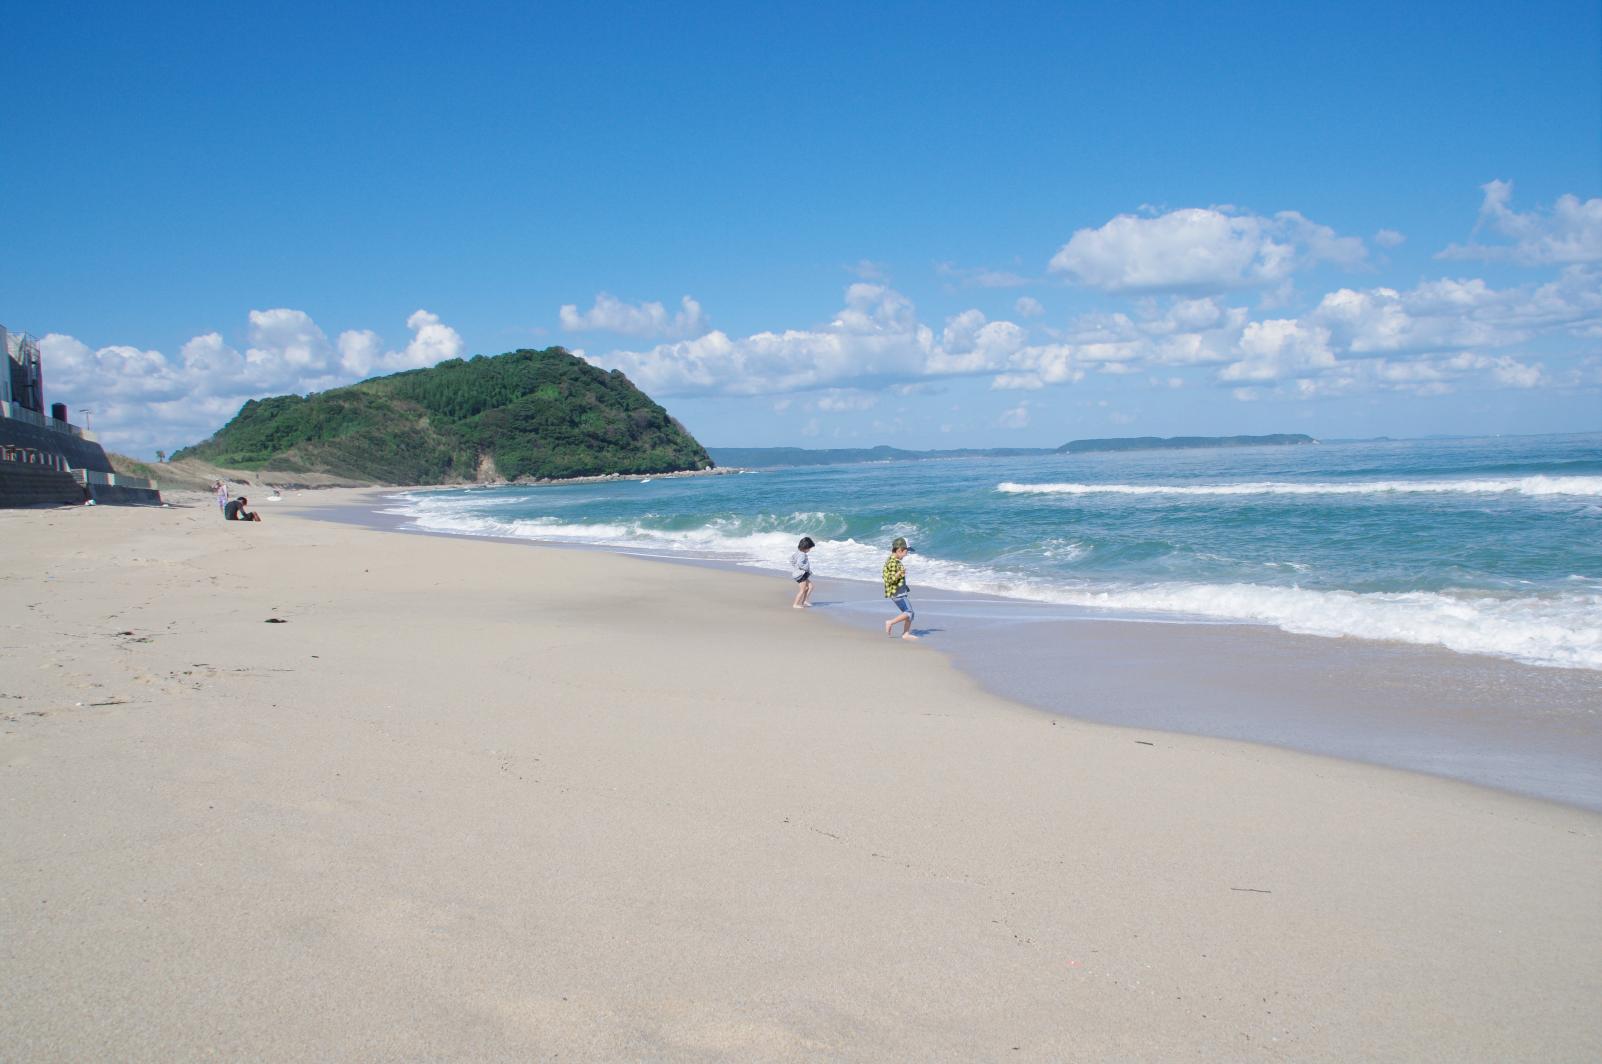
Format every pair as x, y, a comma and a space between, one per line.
768, 457
1158, 443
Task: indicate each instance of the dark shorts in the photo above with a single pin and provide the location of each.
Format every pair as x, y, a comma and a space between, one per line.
903, 603
804, 578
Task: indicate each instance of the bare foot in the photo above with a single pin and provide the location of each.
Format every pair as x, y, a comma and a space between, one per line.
887, 626
909, 635
797, 606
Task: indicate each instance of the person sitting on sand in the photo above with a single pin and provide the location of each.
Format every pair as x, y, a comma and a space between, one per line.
801, 573
235, 511
896, 590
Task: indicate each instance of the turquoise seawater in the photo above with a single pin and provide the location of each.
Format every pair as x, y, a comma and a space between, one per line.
1485, 546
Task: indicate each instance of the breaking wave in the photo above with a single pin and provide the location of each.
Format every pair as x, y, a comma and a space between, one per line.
1552, 628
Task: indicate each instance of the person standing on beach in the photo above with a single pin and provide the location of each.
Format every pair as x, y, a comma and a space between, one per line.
896, 590
222, 495
801, 573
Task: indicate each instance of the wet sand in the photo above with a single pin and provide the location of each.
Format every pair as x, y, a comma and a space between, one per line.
1527, 729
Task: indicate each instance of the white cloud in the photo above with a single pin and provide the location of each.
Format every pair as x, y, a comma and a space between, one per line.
611, 314
433, 342
970, 344
875, 337
1418, 376
1013, 382
1571, 232
876, 341
1452, 314
1200, 250
1015, 418
1417, 340
1028, 307
838, 401
1389, 238
961, 330
361, 351
144, 400
1280, 348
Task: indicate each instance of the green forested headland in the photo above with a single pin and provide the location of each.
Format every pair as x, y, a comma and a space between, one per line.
522, 414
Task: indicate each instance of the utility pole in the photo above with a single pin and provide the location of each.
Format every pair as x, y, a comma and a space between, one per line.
86, 412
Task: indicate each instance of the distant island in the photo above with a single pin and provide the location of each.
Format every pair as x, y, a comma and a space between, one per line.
1156, 443
769, 457
522, 415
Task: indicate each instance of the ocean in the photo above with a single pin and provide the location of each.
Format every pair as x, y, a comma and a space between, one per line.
1488, 547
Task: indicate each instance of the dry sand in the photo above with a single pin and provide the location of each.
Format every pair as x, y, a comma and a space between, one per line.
481, 801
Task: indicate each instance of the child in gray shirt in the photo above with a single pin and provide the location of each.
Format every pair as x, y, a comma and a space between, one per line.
801, 573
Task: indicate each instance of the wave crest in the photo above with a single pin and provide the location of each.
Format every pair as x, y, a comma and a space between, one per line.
1553, 629
1533, 486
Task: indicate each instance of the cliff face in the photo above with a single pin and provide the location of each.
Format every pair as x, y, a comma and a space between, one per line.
521, 414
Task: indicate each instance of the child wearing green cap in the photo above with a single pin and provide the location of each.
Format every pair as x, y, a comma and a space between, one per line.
896, 590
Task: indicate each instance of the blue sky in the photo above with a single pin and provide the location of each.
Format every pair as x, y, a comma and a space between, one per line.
924, 225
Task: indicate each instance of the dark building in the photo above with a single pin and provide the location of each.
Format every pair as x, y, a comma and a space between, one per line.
43, 458
23, 381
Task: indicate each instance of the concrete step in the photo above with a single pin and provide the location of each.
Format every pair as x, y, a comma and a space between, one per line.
23, 484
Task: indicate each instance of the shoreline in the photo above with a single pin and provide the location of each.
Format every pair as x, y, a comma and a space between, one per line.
1530, 730
469, 802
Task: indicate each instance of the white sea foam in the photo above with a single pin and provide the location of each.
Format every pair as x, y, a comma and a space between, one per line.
1534, 486
1554, 628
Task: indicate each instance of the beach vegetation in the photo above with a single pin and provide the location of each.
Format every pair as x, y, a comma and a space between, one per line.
533, 414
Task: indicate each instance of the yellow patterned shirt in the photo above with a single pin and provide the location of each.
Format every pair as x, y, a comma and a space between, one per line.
895, 578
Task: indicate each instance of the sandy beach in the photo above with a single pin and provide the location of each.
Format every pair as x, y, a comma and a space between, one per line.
484, 801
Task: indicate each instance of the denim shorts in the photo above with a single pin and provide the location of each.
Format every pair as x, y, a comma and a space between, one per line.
903, 604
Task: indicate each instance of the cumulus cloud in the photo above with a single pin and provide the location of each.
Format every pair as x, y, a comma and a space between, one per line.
1418, 376
1456, 314
610, 314
875, 337
1570, 232
1280, 348
144, 400
1200, 250
1431, 338
362, 354
1182, 266
876, 341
